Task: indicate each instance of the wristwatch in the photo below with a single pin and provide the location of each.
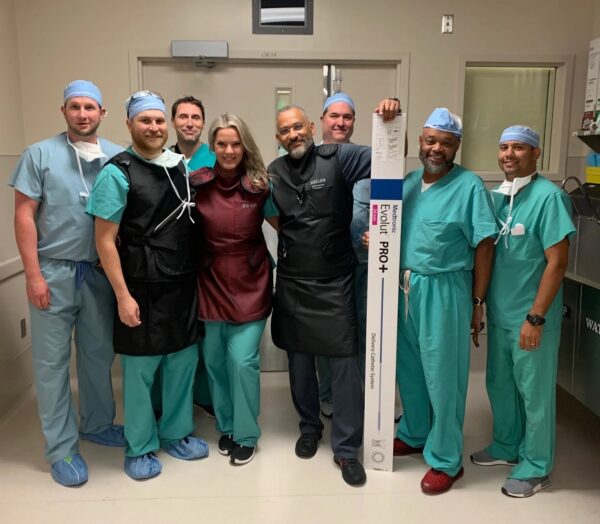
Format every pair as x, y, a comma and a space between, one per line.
535, 320
478, 301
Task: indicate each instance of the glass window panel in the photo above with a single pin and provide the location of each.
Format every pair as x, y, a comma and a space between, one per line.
496, 97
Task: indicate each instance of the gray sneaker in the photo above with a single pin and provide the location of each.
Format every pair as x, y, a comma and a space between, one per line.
483, 458
525, 488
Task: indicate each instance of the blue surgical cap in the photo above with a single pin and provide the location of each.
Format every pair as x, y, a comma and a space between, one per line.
520, 133
83, 88
143, 101
444, 120
338, 97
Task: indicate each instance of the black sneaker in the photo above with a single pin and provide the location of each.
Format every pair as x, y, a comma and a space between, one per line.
242, 454
307, 443
226, 445
352, 471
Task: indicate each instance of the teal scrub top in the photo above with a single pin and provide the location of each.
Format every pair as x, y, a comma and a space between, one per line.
48, 173
442, 226
544, 212
203, 157
108, 197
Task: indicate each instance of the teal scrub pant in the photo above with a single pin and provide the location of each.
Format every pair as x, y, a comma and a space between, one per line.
521, 386
176, 370
89, 311
432, 365
201, 386
232, 359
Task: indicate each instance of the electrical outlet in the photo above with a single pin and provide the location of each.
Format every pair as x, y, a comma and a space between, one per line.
23, 328
447, 24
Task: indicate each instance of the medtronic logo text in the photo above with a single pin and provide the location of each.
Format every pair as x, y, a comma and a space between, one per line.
592, 325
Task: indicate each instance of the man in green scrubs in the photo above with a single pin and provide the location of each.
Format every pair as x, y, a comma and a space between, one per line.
525, 313
446, 256
146, 241
188, 118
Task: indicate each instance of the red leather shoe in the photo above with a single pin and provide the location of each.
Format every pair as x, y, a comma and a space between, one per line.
401, 448
435, 482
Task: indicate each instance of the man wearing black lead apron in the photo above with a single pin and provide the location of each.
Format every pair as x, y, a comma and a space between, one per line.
314, 311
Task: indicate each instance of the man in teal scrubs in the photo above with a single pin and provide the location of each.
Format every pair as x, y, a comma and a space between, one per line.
188, 118
66, 291
525, 313
146, 240
446, 256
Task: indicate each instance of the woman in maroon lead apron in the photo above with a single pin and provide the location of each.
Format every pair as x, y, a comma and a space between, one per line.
234, 280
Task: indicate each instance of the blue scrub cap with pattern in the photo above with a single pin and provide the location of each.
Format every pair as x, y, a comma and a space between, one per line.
338, 97
144, 101
83, 88
520, 133
444, 120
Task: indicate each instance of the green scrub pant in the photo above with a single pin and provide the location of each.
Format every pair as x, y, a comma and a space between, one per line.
521, 386
201, 386
176, 370
88, 310
232, 360
432, 365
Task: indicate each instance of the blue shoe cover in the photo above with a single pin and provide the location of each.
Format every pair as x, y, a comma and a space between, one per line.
188, 448
143, 467
113, 436
70, 471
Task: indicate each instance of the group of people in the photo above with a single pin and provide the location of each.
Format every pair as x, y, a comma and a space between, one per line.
158, 254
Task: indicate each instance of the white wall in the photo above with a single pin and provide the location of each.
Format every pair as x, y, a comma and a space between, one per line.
15, 362
61, 40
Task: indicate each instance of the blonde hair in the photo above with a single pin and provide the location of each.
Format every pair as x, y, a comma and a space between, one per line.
252, 161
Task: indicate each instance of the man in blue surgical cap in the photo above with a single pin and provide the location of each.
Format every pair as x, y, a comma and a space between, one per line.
66, 290
525, 313
446, 259
145, 236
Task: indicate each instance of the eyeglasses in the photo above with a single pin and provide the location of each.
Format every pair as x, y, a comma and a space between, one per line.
141, 94
297, 127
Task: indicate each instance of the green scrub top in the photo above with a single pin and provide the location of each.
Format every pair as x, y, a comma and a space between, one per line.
442, 226
203, 157
108, 197
541, 218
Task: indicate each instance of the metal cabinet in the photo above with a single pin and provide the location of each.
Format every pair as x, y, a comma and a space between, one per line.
586, 362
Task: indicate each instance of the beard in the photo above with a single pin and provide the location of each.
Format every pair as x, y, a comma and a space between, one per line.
300, 151
434, 168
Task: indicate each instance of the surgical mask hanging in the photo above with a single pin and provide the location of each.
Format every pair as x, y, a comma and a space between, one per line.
167, 159
510, 189
89, 152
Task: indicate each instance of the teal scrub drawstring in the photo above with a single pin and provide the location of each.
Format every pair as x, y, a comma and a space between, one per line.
405, 287
84, 271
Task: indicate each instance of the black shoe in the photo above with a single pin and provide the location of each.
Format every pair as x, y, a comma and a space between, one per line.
307, 443
352, 471
207, 409
242, 454
226, 445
